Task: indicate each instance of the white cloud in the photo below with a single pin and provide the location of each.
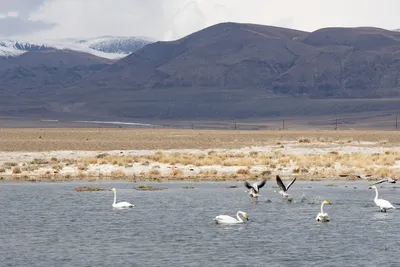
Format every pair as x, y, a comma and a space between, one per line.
9, 14
13, 25
77, 18
170, 19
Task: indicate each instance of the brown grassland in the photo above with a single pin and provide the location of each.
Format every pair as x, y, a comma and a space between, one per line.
46, 139
210, 154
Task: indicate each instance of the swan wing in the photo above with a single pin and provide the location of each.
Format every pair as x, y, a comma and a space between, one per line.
322, 216
280, 183
248, 185
261, 184
225, 219
384, 204
290, 184
123, 204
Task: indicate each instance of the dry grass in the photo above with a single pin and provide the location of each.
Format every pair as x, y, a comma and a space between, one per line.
149, 188
39, 161
305, 166
243, 172
9, 165
119, 174
176, 173
212, 164
88, 189
16, 170
272, 160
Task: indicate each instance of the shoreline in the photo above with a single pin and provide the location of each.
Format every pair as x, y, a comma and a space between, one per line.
308, 161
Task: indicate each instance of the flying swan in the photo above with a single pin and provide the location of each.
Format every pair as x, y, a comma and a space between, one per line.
282, 186
322, 216
254, 188
120, 205
381, 203
226, 219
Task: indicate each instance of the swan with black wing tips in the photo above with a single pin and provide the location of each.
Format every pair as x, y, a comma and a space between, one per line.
255, 188
284, 188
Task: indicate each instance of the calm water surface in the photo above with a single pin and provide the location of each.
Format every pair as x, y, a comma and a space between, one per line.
49, 224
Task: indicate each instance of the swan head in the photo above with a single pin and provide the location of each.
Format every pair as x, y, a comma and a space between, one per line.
245, 215
326, 202
372, 187
112, 189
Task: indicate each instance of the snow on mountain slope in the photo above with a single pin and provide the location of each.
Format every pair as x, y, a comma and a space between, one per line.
111, 47
119, 45
10, 48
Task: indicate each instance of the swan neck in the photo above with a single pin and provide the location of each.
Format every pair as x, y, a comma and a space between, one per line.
322, 207
115, 197
376, 193
237, 215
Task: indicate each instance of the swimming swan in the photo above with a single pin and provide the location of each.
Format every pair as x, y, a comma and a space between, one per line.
282, 186
225, 219
322, 216
120, 205
381, 203
254, 188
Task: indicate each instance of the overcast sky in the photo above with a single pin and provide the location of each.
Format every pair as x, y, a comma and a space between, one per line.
171, 19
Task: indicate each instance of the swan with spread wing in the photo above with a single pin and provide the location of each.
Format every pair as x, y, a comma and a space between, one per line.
255, 188
284, 188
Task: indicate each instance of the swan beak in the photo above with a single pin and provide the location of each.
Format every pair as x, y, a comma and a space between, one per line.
246, 217
370, 187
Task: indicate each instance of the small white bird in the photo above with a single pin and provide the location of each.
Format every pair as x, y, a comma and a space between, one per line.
226, 219
120, 205
254, 188
322, 216
381, 203
282, 186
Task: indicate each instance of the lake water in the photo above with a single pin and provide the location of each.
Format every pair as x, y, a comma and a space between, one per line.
50, 224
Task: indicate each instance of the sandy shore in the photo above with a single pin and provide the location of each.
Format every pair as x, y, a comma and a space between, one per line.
147, 154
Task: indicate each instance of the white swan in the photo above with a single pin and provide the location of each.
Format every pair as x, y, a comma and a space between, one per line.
255, 188
226, 219
381, 203
322, 216
283, 187
120, 205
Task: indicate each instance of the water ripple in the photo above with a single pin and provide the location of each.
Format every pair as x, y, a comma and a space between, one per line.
50, 224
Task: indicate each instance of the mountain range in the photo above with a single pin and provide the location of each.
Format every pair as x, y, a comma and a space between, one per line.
226, 71
105, 46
